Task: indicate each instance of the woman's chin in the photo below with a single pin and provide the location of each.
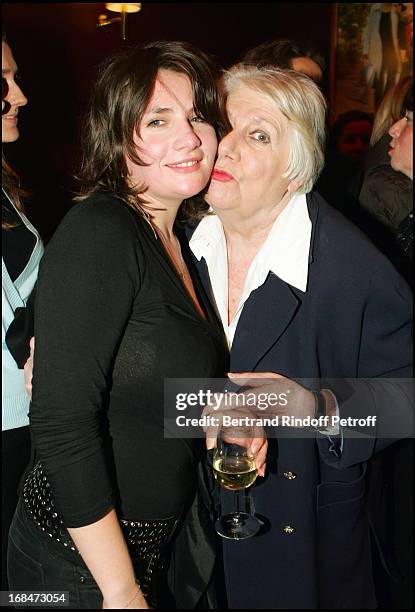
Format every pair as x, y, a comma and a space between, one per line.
10, 135
221, 207
218, 198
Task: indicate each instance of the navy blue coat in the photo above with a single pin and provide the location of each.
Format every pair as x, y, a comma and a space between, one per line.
354, 321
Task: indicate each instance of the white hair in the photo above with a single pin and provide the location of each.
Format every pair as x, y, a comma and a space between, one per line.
301, 102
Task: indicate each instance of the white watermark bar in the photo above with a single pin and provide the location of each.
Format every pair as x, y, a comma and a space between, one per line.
381, 408
34, 599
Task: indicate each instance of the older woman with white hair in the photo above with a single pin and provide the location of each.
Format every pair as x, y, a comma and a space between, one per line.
303, 295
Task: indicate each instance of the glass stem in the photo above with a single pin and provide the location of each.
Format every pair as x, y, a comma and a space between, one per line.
237, 501
248, 502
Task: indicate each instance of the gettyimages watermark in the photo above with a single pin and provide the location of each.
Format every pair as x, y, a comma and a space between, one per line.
376, 408
323, 422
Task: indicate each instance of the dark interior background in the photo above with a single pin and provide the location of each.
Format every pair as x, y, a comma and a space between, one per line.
58, 47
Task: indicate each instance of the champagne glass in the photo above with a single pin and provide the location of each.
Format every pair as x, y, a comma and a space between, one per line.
234, 469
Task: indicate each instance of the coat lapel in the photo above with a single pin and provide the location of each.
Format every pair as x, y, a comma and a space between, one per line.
268, 312
266, 315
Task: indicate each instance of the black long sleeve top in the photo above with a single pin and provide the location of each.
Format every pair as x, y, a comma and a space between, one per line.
112, 321
17, 242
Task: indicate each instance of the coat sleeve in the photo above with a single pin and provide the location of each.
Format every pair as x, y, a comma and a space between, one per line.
384, 387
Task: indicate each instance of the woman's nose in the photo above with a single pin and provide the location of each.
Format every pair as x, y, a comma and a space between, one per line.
396, 128
227, 145
16, 97
188, 138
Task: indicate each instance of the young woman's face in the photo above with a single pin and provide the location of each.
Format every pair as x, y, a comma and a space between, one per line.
178, 146
14, 97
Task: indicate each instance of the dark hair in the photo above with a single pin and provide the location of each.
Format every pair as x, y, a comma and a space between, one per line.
280, 53
120, 96
408, 103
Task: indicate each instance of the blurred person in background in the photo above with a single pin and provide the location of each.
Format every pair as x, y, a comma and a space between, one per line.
347, 145
285, 53
391, 490
21, 252
390, 477
401, 146
401, 156
386, 194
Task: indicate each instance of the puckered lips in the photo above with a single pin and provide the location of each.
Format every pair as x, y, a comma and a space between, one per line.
221, 175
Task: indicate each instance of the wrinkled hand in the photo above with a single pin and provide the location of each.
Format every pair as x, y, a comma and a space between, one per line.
257, 444
28, 369
274, 395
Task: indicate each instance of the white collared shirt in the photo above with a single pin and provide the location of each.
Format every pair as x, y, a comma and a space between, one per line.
284, 253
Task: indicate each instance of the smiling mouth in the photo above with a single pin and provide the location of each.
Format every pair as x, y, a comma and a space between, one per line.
187, 164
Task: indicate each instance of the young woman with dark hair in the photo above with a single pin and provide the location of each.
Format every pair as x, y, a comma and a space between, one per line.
117, 311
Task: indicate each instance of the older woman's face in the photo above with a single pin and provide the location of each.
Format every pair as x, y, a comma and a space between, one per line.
252, 158
178, 146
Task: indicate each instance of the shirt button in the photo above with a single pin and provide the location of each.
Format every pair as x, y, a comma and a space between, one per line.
290, 475
288, 530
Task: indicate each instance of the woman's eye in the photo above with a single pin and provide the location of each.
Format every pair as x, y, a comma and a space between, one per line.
260, 137
156, 123
198, 119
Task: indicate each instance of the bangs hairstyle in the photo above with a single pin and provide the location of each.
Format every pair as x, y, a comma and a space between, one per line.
301, 102
119, 99
391, 109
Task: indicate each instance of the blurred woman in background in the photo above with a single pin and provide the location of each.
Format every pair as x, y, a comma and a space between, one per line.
385, 193
21, 253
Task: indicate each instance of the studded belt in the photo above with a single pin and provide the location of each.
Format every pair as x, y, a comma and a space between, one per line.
147, 539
